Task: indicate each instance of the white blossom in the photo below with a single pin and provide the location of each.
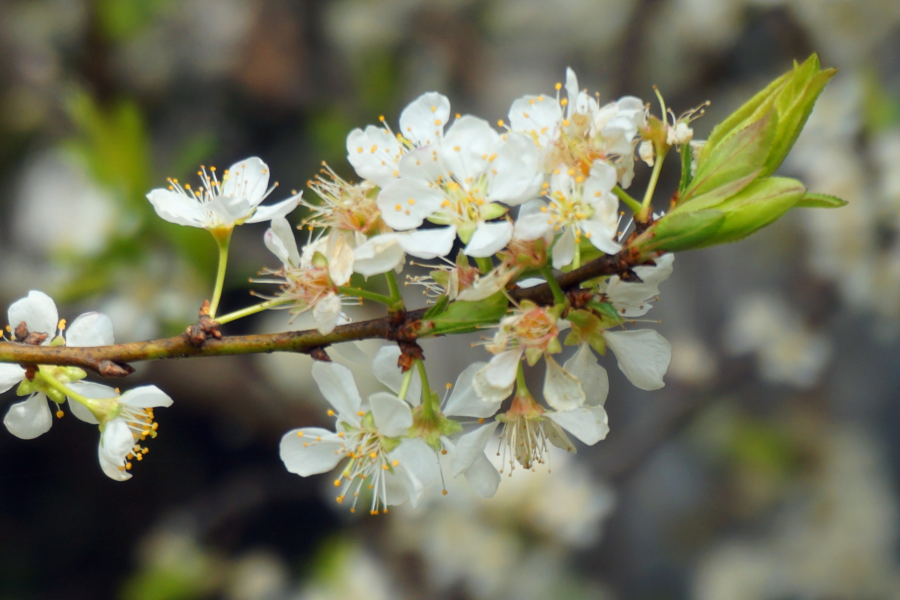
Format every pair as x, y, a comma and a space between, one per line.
222, 204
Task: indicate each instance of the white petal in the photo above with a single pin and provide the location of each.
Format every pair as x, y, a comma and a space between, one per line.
177, 208
116, 442
392, 416
10, 375
423, 121
602, 180
483, 477
326, 313
351, 352
418, 468
338, 386
374, 154
464, 401
571, 91
37, 311
146, 396
470, 446
388, 372
538, 116
532, 224
643, 356
90, 329
466, 148
564, 249
501, 371
428, 243
593, 377
423, 164
513, 170
562, 390
275, 211
30, 418
279, 239
489, 238
340, 260
306, 456
588, 423
601, 236
380, 254
247, 179
488, 393
406, 203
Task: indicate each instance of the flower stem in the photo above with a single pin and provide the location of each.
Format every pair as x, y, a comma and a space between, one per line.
251, 310
404, 386
521, 386
644, 214
395, 300
630, 202
429, 410
558, 296
223, 240
361, 293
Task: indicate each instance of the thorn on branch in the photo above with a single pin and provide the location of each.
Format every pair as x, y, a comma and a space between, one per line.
318, 353
109, 368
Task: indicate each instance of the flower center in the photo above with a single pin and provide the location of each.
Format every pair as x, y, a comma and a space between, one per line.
346, 205
142, 425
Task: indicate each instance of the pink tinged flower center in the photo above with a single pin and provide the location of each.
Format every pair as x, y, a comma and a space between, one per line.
345, 205
535, 328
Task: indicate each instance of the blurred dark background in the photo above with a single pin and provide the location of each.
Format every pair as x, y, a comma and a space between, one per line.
766, 469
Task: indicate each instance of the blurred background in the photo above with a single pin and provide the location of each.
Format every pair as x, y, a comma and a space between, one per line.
767, 468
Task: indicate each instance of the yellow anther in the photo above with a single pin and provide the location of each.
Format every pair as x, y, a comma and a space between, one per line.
571, 171
340, 499
411, 201
360, 150
337, 482
381, 118
374, 148
500, 123
481, 420
565, 122
437, 121
398, 207
373, 455
330, 413
448, 385
61, 325
525, 114
213, 169
558, 86
433, 108
458, 115
385, 467
543, 209
444, 492
361, 413
456, 148
59, 414
341, 434
395, 463
564, 102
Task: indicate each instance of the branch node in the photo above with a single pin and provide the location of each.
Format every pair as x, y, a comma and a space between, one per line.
109, 368
204, 329
318, 353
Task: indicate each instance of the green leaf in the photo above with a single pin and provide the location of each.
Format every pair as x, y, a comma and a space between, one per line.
679, 232
439, 307
814, 200
740, 155
465, 317
758, 205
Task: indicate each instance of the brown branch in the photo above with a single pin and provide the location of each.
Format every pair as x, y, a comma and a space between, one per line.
112, 361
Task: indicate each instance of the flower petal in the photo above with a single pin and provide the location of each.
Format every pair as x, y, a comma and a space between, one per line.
593, 377
387, 370
562, 391
466, 148
380, 254
30, 418
564, 249
538, 116
88, 390
406, 203
428, 243
116, 442
422, 121
483, 477
501, 371
10, 375
513, 170
338, 386
489, 238
275, 211
374, 154
531, 222
316, 451
643, 356
470, 446
327, 312
90, 329
588, 423
392, 416
280, 241
487, 392
418, 467
247, 179
464, 401
177, 208
146, 396
37, 311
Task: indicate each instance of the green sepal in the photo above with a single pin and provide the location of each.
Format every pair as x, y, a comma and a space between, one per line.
26, 388
54, 394
533, 355
814, 200
586, 327
439, 306
319, 261
677, 232
441, 277
493, 211
758, 205
465, 317
605, 310
686, 176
